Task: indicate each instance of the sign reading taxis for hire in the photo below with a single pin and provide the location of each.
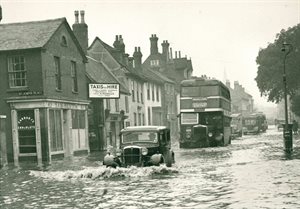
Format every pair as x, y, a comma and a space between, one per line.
104, 90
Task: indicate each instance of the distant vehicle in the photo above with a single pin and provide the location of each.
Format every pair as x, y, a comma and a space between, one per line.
205, 106
236, 125
142, 146
279, 123
255, 123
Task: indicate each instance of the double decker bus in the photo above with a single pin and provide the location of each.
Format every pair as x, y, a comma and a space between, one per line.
205, 107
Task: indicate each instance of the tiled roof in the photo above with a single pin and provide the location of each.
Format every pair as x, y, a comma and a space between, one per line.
27, 35
111, 51
97, 72
182, 63
155, 76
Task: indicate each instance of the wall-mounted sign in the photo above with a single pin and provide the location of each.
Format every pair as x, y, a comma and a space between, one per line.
30, 93
107, 90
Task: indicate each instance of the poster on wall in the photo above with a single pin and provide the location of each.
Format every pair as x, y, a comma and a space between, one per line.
104, 90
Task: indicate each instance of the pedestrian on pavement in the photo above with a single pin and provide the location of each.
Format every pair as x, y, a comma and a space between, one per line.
295, 127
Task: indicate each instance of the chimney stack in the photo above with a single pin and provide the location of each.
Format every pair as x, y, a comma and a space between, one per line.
153, 42
81, 30
137, 55
120, 46
76, 17
171, 54
82, 16
165, 49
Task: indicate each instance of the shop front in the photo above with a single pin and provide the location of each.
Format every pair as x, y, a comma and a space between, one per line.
44, 129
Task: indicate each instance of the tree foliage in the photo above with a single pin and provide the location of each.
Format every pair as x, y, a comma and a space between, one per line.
296, 105
269, 77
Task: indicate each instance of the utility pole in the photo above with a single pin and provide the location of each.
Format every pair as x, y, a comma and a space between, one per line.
287, 131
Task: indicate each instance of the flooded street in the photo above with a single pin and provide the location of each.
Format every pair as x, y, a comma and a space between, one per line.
252, 172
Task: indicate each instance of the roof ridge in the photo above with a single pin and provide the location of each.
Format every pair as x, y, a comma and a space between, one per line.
29, 22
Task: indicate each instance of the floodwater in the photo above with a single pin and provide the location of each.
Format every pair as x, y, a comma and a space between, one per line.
252, 172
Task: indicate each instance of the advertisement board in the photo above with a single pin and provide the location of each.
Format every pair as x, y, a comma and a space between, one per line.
104, 90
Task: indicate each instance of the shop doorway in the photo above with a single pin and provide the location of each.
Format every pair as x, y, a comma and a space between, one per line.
26, 132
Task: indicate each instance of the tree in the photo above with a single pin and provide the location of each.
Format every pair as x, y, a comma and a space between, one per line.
270, 66
295, 107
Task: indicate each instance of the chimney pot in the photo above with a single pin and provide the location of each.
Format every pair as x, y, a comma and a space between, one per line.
179, 54
139, 49
82, 16
76, 16
175, 54
117, 38
171, 53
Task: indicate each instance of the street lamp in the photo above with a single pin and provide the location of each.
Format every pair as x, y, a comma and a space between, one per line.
287, 131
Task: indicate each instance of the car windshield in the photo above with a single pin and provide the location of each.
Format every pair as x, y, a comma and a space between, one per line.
140, 136
250, 121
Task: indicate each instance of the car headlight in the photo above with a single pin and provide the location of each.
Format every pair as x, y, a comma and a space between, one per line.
144, 151
210, 134
118, 152
188, 133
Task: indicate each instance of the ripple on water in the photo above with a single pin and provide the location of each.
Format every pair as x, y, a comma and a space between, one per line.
104, 173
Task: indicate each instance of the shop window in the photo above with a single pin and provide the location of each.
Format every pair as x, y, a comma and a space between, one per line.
78, 129
55, 130
17, 72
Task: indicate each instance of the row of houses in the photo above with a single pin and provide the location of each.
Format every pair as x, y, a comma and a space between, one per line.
45, 69
241, 101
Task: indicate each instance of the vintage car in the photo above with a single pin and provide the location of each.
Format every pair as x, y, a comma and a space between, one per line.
142, 146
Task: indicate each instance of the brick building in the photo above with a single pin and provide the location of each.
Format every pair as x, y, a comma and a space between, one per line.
173, 70
40, 91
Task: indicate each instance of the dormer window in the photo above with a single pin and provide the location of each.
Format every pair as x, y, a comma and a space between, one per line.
64, 41
154, 63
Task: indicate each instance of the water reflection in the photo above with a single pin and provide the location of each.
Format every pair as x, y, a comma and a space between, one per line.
253, 172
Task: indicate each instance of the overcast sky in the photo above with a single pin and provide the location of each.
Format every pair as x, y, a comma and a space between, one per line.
221, 37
